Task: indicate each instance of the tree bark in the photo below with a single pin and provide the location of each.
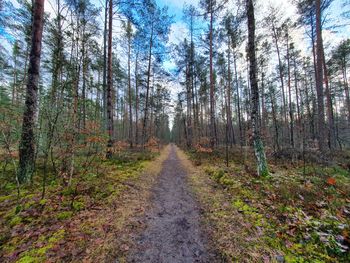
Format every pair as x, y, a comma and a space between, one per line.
212, 105
280, 71
330, 112
110, 84
136, 101
258, 145
144, 127
27, 144
238, 103
129, 34
319, 80
105, 33
231, 133
291, 113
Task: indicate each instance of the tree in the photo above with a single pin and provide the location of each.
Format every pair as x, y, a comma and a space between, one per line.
27, 144
340, 62
319, 80
154, 25
258, 145
311, 15
211, 8
129, 35
110, 127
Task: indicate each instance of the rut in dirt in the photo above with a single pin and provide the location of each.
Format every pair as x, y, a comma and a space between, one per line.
173, 233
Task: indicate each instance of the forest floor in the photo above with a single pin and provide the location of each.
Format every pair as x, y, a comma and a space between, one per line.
300, 213
91, 221
179, 206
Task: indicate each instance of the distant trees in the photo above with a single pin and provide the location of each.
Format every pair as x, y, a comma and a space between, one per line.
340, 61
154, 25
302, 88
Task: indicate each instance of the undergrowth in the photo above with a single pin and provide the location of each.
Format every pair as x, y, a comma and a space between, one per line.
62, 225
301, 213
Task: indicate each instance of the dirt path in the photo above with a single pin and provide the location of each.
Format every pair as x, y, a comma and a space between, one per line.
173, 231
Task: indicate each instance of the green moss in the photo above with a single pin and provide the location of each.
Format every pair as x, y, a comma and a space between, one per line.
38, 254
57, 236
225, 180
246, 193
68, 191
64, 215
43, 202
78, 205
42, 251
243, 207
15, 221
5, 198
29, 204
28, 259
209, 170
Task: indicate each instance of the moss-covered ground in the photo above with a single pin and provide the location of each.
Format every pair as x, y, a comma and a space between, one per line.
300, 213
86, 221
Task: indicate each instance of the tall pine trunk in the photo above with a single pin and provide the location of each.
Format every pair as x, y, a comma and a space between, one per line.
213, 139
110, 84
27, 144
319, 80
136, 101
129, 84
258, 145
105, 33
145, 118
291, 112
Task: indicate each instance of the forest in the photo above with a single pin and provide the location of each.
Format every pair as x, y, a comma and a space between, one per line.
174, 131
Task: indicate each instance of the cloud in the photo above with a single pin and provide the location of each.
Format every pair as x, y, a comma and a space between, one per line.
178, 32
177, 3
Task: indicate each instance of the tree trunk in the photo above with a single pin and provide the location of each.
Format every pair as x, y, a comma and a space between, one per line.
297, 95
136, 102
346, 89
104, 107
231, 133
280, 71
319, 80
27, 144
330, 112
291, 113
189, 106
129, 87
274, 117
212, 105
110, 84
144, 127
258, 145
238, 103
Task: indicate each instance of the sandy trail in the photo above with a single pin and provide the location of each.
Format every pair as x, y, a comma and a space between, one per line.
173, 232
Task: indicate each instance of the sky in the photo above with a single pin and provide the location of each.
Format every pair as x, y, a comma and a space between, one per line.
178, 28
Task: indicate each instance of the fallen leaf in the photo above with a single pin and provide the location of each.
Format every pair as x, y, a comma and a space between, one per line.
331, 181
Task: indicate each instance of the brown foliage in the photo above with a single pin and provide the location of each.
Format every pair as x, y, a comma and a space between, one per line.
203, 145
